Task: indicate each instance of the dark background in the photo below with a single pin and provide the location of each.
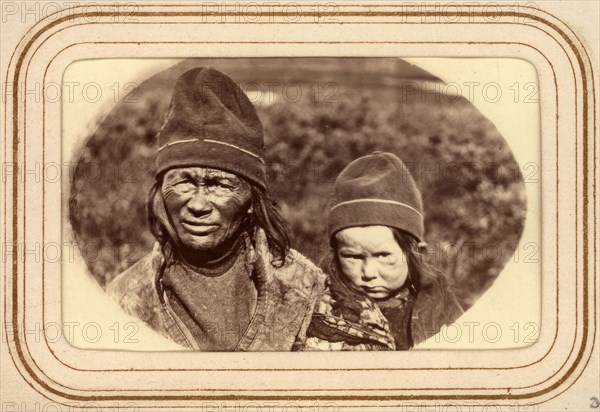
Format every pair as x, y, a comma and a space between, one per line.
319, 114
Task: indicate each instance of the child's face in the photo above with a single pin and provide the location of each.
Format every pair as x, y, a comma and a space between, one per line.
371, 259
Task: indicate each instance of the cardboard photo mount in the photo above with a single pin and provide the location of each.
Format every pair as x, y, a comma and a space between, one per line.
38, 367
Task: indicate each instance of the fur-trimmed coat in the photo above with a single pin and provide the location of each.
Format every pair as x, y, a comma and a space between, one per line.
287, 296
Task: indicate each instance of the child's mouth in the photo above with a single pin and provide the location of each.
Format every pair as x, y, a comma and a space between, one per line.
374, 289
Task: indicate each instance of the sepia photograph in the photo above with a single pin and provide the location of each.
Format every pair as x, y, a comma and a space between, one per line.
305, 204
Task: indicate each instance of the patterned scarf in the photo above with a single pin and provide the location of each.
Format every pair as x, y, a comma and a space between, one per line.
354, 318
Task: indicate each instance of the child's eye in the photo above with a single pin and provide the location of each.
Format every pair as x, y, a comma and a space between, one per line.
386, 258
350, 256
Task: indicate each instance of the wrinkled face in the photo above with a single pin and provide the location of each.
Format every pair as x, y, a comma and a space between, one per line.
371, 260
206, 206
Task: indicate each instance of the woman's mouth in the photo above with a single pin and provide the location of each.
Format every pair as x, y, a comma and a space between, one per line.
198, 228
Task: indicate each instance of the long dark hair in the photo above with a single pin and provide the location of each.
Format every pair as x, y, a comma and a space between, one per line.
421, 275
265, 214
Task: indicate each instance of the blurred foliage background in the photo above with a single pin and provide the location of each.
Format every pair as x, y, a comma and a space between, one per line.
319, 114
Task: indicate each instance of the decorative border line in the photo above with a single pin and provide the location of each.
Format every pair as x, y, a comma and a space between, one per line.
316, 369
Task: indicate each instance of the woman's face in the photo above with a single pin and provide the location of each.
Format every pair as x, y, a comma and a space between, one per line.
371, 260
206, 206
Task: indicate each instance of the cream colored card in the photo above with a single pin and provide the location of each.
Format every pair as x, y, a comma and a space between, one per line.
517, 81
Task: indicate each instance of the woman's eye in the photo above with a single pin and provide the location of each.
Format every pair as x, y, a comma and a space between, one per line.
184, 185
183, 182
219, 184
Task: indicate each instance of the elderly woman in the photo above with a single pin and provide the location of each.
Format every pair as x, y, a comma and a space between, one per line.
222, 276
381, 294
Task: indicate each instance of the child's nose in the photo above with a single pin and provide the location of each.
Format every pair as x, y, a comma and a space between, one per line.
370, 271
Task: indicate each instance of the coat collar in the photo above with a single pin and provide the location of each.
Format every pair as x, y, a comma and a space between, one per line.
258, 257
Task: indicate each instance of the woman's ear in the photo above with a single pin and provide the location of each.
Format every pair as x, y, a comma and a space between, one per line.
250, 210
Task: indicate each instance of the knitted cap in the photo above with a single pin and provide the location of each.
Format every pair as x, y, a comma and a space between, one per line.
212, 123
377, 190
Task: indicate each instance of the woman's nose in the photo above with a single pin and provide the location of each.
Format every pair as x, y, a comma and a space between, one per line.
199, 204
370, 270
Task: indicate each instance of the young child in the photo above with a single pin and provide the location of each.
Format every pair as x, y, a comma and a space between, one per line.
381, 295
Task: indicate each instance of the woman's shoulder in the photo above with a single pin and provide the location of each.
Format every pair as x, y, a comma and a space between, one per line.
299, 272
137, 279
295, 270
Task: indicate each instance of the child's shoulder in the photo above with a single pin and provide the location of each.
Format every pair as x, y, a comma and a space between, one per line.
332, 328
